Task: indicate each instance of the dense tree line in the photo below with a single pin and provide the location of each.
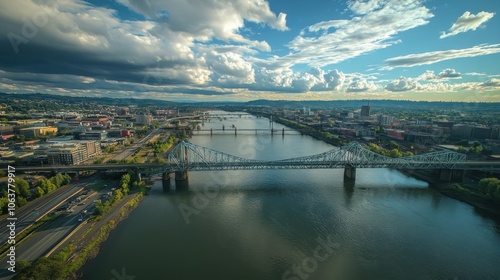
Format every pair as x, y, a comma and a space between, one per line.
25, 194
161, 147
322, 135
490, 187
127, 182
394, 152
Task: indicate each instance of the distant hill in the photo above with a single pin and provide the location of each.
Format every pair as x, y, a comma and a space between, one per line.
74, 99
347, 104
395, 104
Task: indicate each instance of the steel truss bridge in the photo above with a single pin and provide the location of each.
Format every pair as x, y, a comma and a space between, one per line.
187, 156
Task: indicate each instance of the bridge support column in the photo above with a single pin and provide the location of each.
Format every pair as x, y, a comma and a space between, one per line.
283, 132
350, 172
211, 132
458, 175
181, 175
235, 131
445, 175
449, 175
165, 180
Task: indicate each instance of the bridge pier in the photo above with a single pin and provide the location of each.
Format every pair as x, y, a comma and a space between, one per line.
165, 180
235, 131
181, 175
451, 175
211, 132
350, 172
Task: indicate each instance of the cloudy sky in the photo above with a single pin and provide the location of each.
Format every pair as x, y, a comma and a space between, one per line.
239, 50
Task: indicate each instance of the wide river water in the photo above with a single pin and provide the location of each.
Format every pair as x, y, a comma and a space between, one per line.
296, 224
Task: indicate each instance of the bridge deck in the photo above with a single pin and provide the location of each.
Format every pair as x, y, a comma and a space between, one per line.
187, 156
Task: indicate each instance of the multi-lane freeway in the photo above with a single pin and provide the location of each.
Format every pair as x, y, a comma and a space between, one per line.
27, 215
49, 236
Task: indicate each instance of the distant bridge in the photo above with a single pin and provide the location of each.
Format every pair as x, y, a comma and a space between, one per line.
236, 131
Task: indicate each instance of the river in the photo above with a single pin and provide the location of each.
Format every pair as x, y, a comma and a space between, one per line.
296, 224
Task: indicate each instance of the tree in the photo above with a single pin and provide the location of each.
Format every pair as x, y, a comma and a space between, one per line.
393, 145
47, 186
3, 204
66, 179
21, 201
22, 188
38, 192
125, 181
490, 187
56, 180
117, 195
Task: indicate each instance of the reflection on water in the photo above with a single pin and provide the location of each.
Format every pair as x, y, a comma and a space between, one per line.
266, 224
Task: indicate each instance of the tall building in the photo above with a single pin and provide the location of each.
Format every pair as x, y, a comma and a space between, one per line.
365, 110
30, 132
72, 152
66, 155
385, 119
122, 111
144, 119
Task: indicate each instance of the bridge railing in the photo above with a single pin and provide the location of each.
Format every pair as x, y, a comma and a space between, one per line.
187, 156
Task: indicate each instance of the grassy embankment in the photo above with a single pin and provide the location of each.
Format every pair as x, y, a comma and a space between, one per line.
485, 195
68, 261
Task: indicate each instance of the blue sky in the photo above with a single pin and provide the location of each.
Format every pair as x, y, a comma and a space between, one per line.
239, 50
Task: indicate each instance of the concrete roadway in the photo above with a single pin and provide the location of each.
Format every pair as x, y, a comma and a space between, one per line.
51, 234
27, 215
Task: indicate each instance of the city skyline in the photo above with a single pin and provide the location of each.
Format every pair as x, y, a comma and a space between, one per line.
239, 50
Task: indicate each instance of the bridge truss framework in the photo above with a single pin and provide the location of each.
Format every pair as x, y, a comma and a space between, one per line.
190, 157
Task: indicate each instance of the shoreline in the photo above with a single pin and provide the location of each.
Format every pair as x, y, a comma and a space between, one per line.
95, 242
69, 261
447, 189
477, 201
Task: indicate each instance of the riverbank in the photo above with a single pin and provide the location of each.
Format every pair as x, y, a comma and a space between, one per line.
453, 190
67, 263
324, 136
465, 194
458, 191
90, 247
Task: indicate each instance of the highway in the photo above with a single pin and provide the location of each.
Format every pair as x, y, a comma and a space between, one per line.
128, 151
44, 239
33, 211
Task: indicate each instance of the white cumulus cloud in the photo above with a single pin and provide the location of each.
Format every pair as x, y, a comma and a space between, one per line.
443, 75
403, 84
205, 20
361, 85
